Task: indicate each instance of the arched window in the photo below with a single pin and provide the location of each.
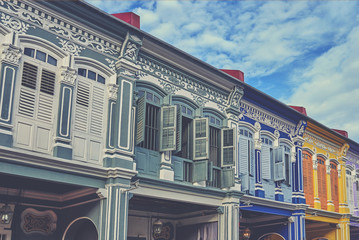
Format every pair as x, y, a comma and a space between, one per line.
37, 95
308, 178
267, 158
322, 182
90, 106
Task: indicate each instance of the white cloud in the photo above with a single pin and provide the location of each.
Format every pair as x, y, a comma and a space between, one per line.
330, 87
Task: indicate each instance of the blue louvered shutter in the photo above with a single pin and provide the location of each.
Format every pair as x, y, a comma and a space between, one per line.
168, 128
279, 166
200, 143
141, 120
228, 140
266, 168
200, 171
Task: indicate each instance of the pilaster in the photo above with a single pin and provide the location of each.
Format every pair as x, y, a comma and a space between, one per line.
63, 146
259, 191
297, 223
343, 197
228, 219
10, 58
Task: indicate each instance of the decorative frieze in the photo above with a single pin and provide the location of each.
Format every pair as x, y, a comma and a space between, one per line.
320, 143
40, 222
201, 92
131, 47
70, 47
266, 118
11, 54
235, 97
22, 16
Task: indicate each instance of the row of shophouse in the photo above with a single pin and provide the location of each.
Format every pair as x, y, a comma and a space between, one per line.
107, 132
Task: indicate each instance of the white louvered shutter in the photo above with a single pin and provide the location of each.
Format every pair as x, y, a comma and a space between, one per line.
266, 168
82, 105
243, 156
28, 90
46, 96
97, 110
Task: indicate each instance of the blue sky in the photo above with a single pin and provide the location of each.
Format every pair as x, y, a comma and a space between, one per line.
304, 53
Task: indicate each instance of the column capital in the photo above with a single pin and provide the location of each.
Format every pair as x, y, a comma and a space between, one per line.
11, 54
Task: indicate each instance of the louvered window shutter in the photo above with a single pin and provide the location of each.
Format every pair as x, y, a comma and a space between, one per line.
141, 120
227, 177
266, 168
279, 170
179, 130
27, 91
46, 99
252, 157
200, 171
97, 110
168, 128
245, 182
201, 143
228, 147
243, 156
82, 106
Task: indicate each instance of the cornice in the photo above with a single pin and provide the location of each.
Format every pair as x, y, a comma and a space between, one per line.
319, 212
22, 15
265, 117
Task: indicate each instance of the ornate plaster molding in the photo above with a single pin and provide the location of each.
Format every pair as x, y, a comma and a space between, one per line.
20, 16
112, 91
200, 91
38, 222
320, 143
68, 76
235, 97
258, 114
11, 54
131, 47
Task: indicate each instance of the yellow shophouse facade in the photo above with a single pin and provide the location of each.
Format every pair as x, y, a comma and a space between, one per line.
324, 183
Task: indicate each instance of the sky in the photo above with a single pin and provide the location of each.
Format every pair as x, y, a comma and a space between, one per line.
303, 53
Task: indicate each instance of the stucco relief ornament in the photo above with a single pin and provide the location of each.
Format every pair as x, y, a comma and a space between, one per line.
68, 76
11, 54
257, 126
235, 97
276, 134
70, 47
111, 64
200, 101
299, 131
167, 87
131, 47
112, 91
15, 24
294, 157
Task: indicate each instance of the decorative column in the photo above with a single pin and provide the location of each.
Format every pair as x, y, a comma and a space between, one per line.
114, 208
297, 164
317, 203
279, 196
63, 146
233, 112
297, 223
343, 202
330, 203
259, 191
228, 217
10, 57
120, 135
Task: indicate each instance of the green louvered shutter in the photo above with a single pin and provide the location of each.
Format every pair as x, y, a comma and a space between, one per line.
201, 143
244, 182
168, 128
279, 169
141, 120
228, 140
179, 129
210, 171
200, 171
227, 177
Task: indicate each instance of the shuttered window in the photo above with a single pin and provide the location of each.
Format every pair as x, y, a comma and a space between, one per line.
201, 135
246, 157
228, 141
36, 102
168, 128
267, 158
308, 178
36, 93
89, 117
279, 164
215, 146
350, 195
